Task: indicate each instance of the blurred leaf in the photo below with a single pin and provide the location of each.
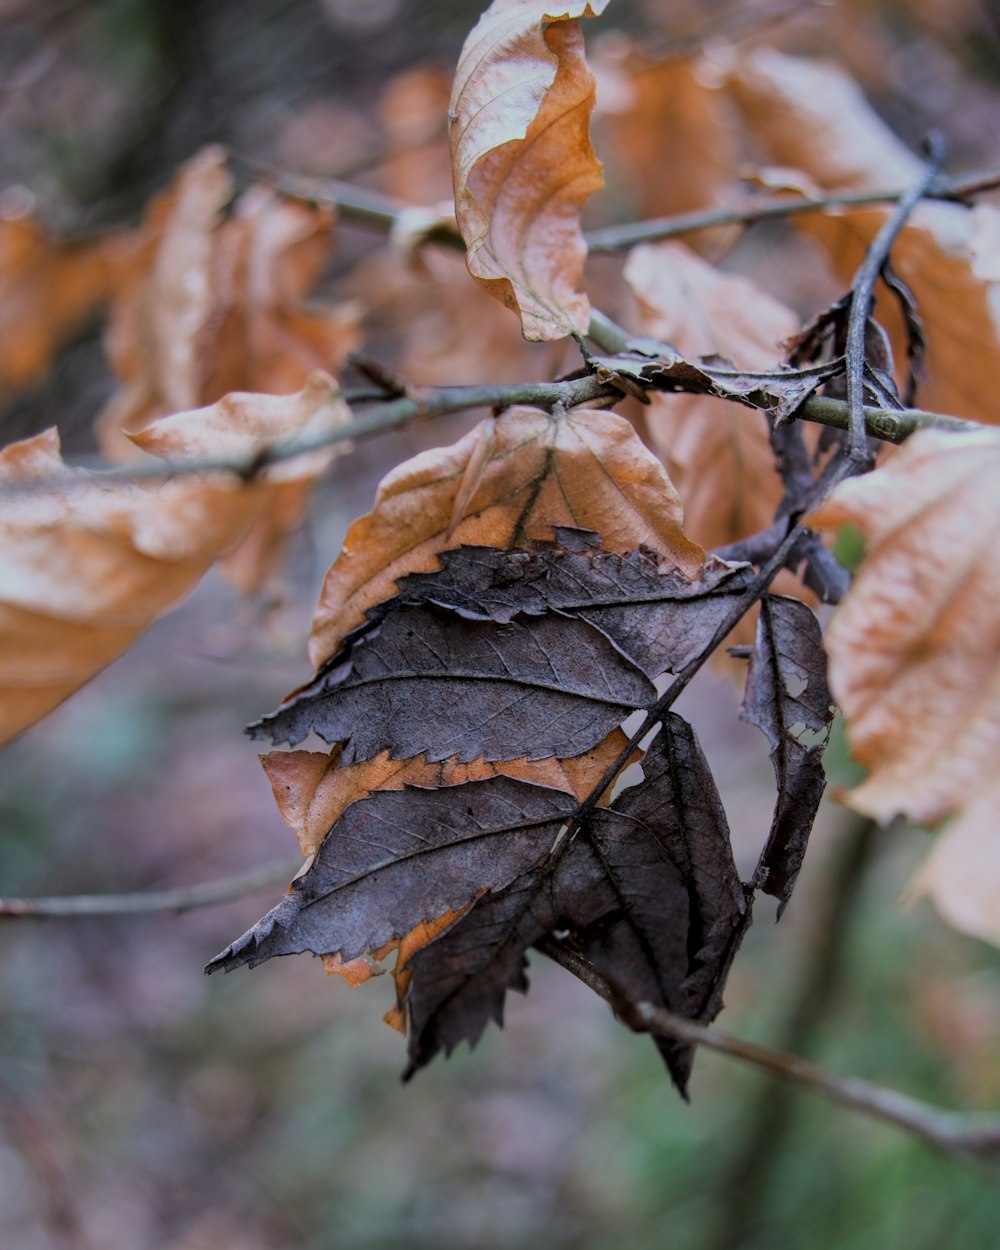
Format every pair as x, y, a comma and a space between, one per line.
810, 115
87, 565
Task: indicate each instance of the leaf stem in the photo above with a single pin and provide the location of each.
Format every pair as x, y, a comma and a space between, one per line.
955, 1133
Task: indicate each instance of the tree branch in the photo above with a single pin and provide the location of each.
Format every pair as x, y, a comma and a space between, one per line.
863, 297
179, 899
892, 426
614, 238
955, 1133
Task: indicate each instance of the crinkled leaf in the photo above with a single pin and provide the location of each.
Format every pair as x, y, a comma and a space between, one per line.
399, 857
454, 665
586, 469
915, 649
648, 891
522, 159
787, 697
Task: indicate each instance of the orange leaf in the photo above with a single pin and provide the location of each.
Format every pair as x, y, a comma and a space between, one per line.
586, 469
718, 455
814, 117
214, 306
86, 565
522, 159
915, 650
47, 290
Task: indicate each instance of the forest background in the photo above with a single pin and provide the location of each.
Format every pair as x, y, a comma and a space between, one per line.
141, 1105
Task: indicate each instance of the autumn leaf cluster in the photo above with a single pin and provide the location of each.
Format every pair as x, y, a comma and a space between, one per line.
512, 600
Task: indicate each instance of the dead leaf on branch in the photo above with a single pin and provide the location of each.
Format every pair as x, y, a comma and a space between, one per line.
87, 565
649, 889
583, 634
522, 159
585, 469
915, 655
787, 697
718, 456
812, 116
215, 301
47, 291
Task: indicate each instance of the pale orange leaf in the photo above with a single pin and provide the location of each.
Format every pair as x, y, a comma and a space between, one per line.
915, 651
522, 159
585, 468
47, 290
214, 304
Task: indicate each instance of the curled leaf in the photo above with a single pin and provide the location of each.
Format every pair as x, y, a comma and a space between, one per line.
522, 159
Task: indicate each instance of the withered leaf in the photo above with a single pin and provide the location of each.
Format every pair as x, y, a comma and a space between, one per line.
399, 857
648, 890
451, 666
522, 159
787, 697
915, 656
585, 468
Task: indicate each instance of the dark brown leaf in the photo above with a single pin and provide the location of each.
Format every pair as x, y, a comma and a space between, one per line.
451, 665
648, 891
787, 697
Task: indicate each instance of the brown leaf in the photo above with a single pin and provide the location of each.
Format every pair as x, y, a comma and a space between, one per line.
585, 469
915, 649
47, 290
666, 138
241, 426
718, 455
413, 110
86, 565
522, 159
812, 116
215, 305
447, 331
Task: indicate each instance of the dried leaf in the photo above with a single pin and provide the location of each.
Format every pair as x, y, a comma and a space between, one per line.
582, 634
666, 137
718, 455
585, 469
241, 426
813, 116
216, 305
915, 647
522, 159
663, 846
787, 697
47, 290
87, 565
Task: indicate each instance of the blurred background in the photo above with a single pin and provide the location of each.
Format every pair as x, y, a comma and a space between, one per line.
144, 1106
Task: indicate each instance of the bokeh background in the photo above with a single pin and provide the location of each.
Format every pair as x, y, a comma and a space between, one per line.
145, 1106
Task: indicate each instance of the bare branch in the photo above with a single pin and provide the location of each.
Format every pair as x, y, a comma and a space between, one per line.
955, 1133
179, 899
614, 238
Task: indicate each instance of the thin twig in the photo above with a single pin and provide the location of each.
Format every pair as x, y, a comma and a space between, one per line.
142, 902
967, 1136
863, 297
614, 238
